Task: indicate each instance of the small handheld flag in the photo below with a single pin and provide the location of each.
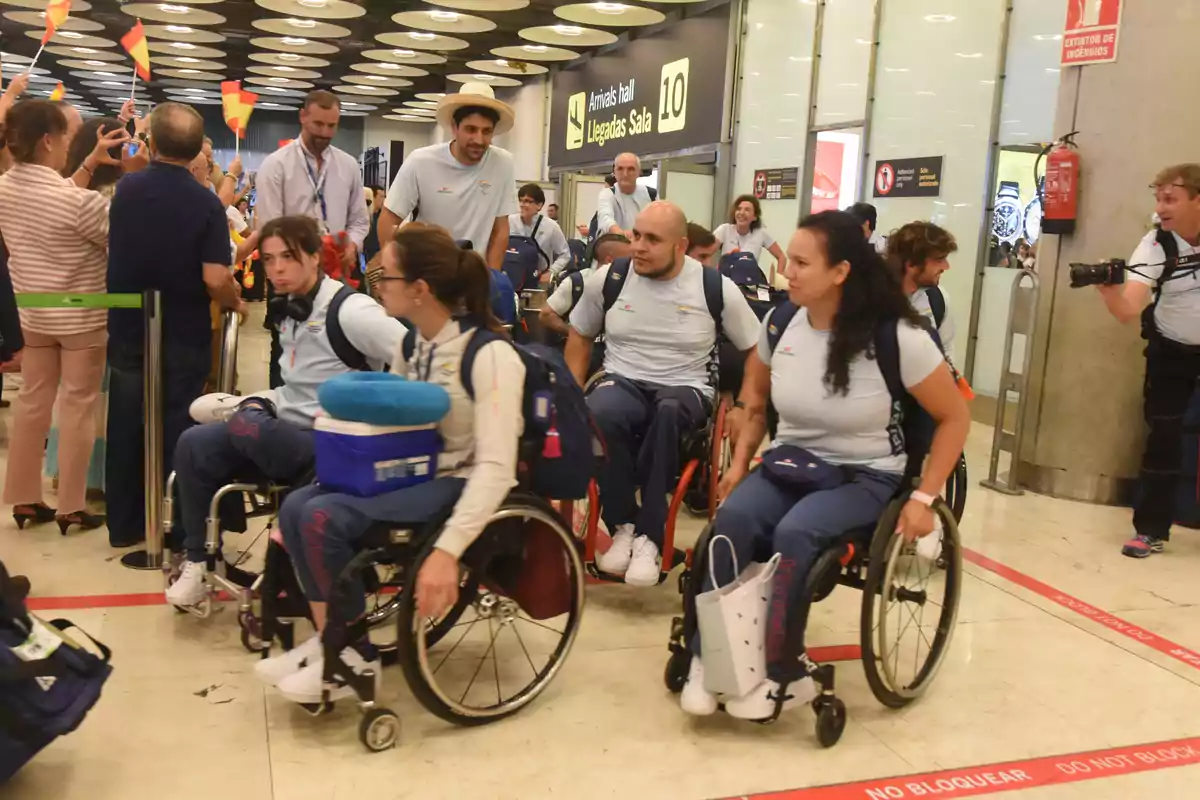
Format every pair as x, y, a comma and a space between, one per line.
238, 104
57, 12
134, 43
58, 93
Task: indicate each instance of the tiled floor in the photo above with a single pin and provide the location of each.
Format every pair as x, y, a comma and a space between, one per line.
1026, 677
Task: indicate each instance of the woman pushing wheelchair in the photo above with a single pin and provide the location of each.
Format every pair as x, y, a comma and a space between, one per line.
852, 371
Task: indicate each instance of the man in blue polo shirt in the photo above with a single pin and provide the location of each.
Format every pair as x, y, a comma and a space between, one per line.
169, 233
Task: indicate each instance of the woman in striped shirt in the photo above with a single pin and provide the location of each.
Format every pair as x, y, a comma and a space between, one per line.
57, 237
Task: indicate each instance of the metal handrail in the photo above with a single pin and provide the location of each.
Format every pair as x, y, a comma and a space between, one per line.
227, 370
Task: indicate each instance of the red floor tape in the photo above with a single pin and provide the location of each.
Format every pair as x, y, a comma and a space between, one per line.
1151, 640
1008, 776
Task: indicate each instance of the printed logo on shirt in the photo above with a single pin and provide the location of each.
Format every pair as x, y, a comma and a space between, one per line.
786, 350
314, 327
626, 307
445, 190
485, 186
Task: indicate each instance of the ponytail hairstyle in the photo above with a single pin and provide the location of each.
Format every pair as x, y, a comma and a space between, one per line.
458, 278
871, 294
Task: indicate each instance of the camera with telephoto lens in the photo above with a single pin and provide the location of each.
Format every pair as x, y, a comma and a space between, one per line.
1106, 273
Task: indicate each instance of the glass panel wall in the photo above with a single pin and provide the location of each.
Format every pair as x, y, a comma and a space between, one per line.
848, 30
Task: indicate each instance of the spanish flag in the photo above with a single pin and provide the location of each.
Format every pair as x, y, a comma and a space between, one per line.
237, 104
58, 93
57, 12
134, 43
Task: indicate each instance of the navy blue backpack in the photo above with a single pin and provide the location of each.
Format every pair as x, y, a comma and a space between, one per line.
524, 259
47, 682
559, 447
503, 298
742, 268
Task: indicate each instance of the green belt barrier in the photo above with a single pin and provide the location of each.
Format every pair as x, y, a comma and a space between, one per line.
57, 300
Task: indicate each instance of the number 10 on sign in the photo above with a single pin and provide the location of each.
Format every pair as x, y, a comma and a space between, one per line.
672, 98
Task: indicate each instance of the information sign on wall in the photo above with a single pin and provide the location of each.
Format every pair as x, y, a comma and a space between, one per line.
1092, 32
776, 184
657, 94
909, 177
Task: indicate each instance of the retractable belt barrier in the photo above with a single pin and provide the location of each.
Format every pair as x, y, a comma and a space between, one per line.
151, 305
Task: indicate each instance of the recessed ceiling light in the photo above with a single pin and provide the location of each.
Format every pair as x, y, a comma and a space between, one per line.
269, 105
188, 60
314, 3
422, 36
289, 57
273, 89
285, 69
183, 45
482, 77
191, 71
94, 63
70, 34
84, 50
535, 48
969, 55
194, 91
348, 104
377, 77
501, 62
173, 9
568, 30
940, 18
180, 29
387, 65
443, 16
106, 74
610, 8
301, 23
111, 83
400, 53
294, 41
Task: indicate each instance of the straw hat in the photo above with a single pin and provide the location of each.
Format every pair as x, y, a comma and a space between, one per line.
475, 94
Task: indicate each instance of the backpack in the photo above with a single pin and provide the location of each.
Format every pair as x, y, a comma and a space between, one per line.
742, 268
48, 684
503, 297
937, 305
1170, 248
911, 428
593, 226
524, 259
342, 347
559, 446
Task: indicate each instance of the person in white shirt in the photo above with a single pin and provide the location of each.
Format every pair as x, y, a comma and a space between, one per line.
661, 333
1162, 290
562, 301
618, 207
467, 186
553, 251
828, 387
431, 282
919, 253
744, 232
868, 218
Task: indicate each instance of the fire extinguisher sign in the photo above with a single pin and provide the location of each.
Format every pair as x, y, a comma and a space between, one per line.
1092, 32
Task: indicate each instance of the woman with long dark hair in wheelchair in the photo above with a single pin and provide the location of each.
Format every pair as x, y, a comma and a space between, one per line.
442, 291
839, 456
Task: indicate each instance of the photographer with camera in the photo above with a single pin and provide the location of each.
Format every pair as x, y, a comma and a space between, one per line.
1163, 291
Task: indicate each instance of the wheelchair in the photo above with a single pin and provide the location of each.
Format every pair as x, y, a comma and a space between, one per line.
262, 498
523, 576
705, 455
880, 564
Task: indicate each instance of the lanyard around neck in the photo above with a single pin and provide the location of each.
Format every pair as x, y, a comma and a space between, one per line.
317, 181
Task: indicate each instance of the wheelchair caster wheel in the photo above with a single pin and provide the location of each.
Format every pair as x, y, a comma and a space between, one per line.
379, 729
831, 721
251, 632
676, 673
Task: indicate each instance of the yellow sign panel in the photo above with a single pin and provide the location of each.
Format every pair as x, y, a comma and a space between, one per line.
672, 98
576, 113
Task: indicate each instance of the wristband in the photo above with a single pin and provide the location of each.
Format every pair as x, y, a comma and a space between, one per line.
926, 500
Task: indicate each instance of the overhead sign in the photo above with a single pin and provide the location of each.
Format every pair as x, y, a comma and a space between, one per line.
776, 184
657, 94
1092, 32
909, 177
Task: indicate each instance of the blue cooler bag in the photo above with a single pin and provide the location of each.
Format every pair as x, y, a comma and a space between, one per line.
364, 460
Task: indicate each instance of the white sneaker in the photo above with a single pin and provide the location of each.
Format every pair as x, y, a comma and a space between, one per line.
759, 702
695, 699
616, 560
272, 670
304, 685
644, 564
215, 407
189, 588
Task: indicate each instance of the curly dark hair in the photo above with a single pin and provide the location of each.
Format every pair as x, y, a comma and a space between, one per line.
82, 145
871, 294
917, 242
752, 200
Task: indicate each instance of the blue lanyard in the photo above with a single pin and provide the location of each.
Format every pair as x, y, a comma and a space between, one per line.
317, 186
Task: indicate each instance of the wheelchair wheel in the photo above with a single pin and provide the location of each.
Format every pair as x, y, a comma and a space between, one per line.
453, 678
379, 729
907, 594
956, 489
676, 673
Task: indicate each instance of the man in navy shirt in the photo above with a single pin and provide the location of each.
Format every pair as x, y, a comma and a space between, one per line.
166, 232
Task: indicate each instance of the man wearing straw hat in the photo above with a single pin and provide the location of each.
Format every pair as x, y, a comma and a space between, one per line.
467, 187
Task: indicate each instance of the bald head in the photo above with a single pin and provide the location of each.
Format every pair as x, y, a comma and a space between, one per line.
626, 168
659, 241
176, 132
74, 119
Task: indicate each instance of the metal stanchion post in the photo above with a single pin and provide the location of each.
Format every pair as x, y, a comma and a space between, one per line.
227, 371
151, 557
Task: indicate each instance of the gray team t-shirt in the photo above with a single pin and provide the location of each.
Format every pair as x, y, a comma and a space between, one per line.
463, 200
661, 331
733, 242
614, 207
1178, 312
842, 429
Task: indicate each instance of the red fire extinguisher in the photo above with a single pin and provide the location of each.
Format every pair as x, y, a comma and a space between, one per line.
1060, 193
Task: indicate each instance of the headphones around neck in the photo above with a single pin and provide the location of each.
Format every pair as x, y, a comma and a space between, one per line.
296, 308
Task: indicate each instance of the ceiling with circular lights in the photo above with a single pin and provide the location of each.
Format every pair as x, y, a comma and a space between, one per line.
392, 58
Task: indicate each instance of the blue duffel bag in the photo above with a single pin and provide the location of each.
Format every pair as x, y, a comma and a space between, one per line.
48, 683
